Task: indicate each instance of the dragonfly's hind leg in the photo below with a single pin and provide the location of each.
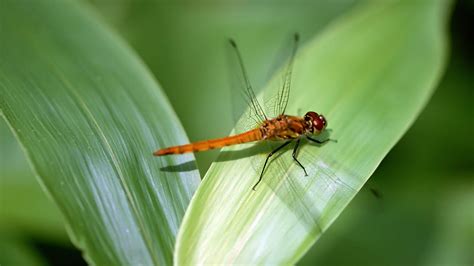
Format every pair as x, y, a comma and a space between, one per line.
266, 161
295, 150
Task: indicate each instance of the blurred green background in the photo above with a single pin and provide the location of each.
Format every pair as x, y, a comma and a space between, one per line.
424, 212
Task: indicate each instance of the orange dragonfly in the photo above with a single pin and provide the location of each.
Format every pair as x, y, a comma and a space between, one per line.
283, 127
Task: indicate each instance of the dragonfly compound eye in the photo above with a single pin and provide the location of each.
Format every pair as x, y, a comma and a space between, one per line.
319, 122
323, 120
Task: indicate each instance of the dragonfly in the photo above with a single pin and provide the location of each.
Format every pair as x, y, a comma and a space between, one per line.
282, 128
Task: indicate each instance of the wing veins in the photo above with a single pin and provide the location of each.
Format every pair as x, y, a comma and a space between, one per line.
284, 92
250, 94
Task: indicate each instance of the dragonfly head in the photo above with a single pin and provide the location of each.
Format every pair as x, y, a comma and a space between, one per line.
315, 122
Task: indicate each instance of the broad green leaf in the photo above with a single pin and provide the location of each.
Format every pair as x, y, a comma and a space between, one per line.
89, 115
370, 74
425, 196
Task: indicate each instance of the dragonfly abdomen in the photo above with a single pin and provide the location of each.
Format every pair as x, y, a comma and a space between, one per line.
249, 136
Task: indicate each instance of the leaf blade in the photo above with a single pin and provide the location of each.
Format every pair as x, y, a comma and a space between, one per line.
89, 115
369, 105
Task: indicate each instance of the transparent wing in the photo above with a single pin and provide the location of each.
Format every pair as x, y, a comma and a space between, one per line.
247, 110
277, 95
284, 91
255, 113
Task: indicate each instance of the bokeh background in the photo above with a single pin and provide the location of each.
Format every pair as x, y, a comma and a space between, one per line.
416, 209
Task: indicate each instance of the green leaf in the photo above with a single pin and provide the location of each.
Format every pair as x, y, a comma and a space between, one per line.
89, 115
370, 74
425, 196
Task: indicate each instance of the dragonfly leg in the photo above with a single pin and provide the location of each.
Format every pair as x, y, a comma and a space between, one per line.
320, 141
266, 161
295, 150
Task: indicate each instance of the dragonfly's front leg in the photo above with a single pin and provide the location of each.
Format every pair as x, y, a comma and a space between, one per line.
295, 150
266, 161
320, 141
